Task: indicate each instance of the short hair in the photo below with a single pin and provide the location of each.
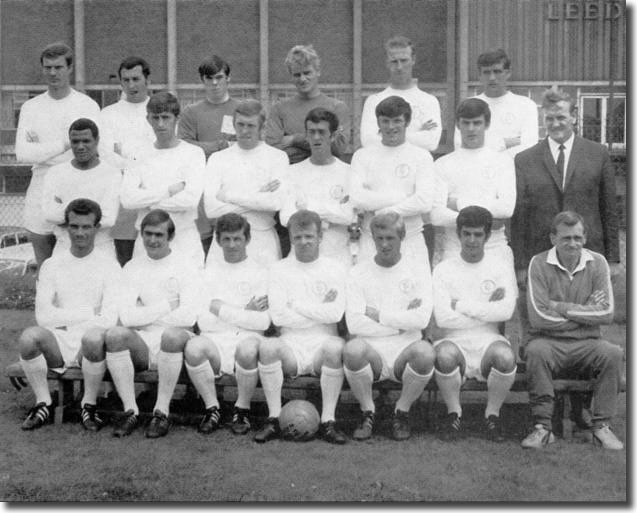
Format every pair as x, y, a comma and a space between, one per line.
473, 108
552, 97
493, 57
156, 217
302, 55
399, 42
232, 223
250, 107
319, 114
85, 124
212, 65
569, 218
55, 50
474, 216
394, 106
305, 219
131, 62
163, 102
83, 207
386, 221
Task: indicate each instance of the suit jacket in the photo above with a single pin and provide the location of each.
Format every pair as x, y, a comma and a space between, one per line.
589, 191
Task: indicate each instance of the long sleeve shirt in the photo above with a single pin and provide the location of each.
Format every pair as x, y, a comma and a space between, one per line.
242, 173
234, 284
393, 178
145, 185
480, 177
424, 107
66, 182
296, 293
149, 287
78, 293
557, 299
48, 120
390, 290
471, 286
207, 125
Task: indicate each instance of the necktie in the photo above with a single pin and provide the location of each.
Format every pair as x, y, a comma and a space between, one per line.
560, 164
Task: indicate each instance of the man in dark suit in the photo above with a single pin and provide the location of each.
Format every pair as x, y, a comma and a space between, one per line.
562, 172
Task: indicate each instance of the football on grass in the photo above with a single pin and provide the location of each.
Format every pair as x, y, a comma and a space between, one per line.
299, 420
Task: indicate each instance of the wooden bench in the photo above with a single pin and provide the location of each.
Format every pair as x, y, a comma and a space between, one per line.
66, 389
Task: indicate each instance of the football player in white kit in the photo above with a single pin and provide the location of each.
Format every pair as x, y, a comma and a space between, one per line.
473, 292
389, 302
157, 308
394, 176
306, 296
321, 184
76, 301
232, 320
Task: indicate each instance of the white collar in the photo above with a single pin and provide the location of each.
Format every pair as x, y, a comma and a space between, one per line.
555, 146
585, 257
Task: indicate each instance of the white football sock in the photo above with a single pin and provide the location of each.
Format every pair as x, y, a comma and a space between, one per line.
122, 371
272, 383
93, 373
168, 369
331, 384
203, 377
247, 380
360, 383
498, 386
413, 386
35, 370
449, 386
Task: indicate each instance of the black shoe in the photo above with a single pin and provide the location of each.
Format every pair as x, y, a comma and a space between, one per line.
364, 431
329, 433
493, 428
37, 417
270, 431
127, 424
240, 421
400, 425
91, 420
210, 421
158, 426
452, 428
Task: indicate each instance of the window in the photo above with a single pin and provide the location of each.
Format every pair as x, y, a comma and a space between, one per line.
602, 120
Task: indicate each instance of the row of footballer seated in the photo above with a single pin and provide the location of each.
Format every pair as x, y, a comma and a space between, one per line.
386, 300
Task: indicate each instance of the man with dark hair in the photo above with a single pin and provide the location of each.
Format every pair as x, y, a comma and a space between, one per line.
395, 175
42, 137
306, 298
473, 292
157, 308
473, 174
389, 302
248, 179
76, 301
425, 127
285, 128
321, 184
232, 319
514, 123
170, 177
569, 296
129, 135
86, 176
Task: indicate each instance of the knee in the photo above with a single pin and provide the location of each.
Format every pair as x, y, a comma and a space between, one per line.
93, 344
29, 341
611, 353
503, 358
354, 352
247, 352
195, 350
334, 348
448, 356
174, 340
423, 357
269, 350
538, 350
116, 339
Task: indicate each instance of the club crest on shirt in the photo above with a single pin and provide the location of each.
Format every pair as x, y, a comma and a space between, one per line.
406, 286
487, 286
244, 288
319, 288
172, 285
402, 170
488, 172
509, 118
337, 192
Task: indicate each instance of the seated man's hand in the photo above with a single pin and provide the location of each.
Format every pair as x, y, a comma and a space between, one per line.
176, 188
498, 294
258, 304
215, 306
453, 304
452, 203
414, 303
331, 295
344, 199
372, 313
271, 186
174, 303
598, 298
